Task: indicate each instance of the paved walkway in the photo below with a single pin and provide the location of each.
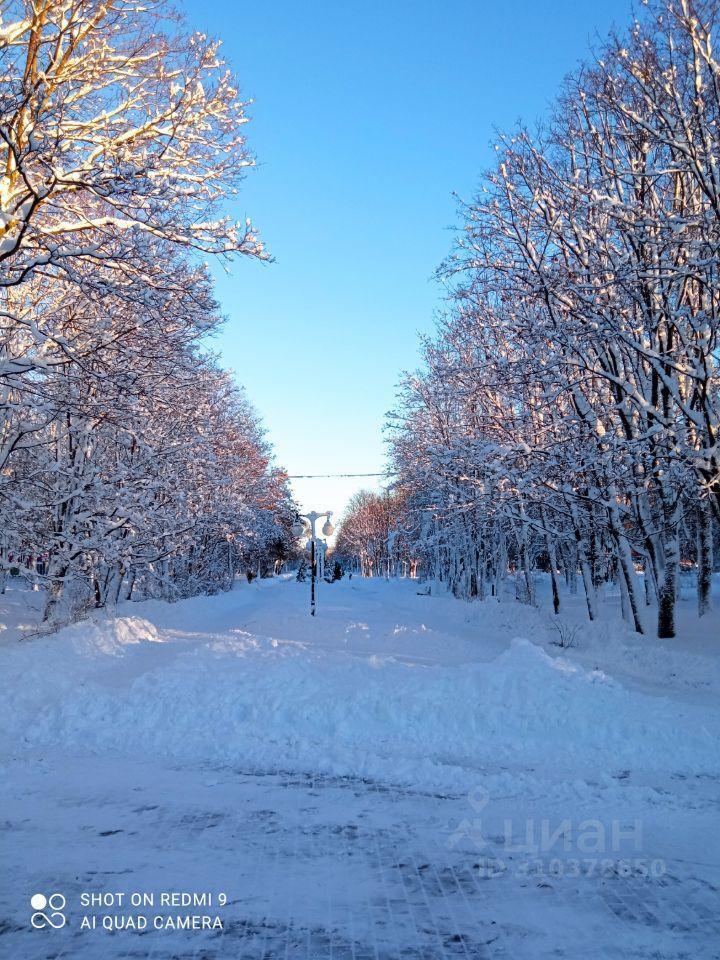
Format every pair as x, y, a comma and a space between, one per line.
316, 868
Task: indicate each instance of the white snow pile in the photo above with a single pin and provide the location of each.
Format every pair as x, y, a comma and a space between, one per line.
121, 685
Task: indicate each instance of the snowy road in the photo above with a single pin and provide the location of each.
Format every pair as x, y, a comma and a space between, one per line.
401, 778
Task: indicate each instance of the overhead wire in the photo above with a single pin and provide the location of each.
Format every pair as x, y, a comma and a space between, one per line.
334, 476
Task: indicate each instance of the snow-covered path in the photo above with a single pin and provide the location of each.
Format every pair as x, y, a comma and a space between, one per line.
403, 777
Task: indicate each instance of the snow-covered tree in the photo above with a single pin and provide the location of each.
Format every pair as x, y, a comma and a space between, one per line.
128, 460
568, 413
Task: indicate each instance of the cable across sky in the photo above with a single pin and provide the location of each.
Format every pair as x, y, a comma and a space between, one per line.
334, 476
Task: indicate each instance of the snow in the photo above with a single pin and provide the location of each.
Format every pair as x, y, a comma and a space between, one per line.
426, 709
364, 698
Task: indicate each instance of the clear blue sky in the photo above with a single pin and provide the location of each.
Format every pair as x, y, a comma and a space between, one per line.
366, 117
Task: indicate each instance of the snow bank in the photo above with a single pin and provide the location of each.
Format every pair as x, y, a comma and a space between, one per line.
121, 685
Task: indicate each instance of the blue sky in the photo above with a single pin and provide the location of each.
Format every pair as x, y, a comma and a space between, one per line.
366, 117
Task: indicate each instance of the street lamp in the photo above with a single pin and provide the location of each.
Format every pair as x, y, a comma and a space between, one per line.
298, 528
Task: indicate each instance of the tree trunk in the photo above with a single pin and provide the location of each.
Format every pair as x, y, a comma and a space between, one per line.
628, 574
54, 593
590, 594
705, 559
552, 560
650, 592
624, 556
668, 590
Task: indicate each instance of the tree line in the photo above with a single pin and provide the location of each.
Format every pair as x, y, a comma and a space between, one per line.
567, 412
130, 462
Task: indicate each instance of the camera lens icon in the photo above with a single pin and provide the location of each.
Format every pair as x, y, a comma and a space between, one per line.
48, 911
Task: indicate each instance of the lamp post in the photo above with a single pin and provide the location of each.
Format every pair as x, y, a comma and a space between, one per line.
298, 529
